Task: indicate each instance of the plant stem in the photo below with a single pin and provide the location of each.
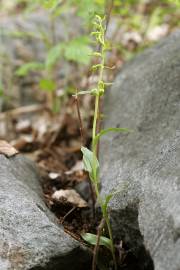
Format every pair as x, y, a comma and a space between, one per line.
96, 110
93, 167
80, 119
97, 99
96, 248
106, 218
111, 238
95, 147
108, 7
81, 128
95, 122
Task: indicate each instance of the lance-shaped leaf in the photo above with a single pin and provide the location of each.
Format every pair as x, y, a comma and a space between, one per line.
92, 92
47, 85
92, 239
105, 131
109, 196
106, 202
82, 93
28, 67
78, 50
91, 164
54, 55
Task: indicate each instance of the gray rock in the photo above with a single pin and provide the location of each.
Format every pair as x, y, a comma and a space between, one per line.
144, 165
30, 237
83, 189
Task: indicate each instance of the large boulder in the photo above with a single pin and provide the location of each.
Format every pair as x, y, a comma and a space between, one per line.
30, 237
144, 165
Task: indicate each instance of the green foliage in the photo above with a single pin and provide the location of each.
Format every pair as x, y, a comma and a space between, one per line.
94, 7
105, 131
21, 34
108, 197
92, 240
83, 93
1, 89
53, 55
78, 50
26, 68
174, 2
3, 95
47, 85
91, 164
50, 4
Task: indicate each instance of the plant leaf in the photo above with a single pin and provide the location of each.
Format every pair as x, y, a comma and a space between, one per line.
105, 131
91, 164
92, 92
111, 195
47, 85
53, 55
92, 239
26, 68
82, 93
107, 200
50, 4
1, 89
87, 9
78, 50
7, 149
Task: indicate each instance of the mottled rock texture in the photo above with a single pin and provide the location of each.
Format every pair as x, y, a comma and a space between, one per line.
145, 163
30, 237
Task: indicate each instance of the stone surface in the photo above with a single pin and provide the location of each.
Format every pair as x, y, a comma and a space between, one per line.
30, 237
144, 165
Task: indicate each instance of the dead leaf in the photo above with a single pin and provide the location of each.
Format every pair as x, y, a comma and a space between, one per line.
77, 167
131, 37
3, 129
53, 175
23, 142
71, 196
23, 126
158, 32
6, 149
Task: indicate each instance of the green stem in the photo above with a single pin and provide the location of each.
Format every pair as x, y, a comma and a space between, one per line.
96, 114
97, 101
102, 67
95, 123
95, 147
111, 238
106, 217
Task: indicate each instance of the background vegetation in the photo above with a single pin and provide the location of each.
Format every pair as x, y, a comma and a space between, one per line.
134, 25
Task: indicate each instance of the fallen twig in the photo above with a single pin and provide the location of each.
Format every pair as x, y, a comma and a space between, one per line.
22, 110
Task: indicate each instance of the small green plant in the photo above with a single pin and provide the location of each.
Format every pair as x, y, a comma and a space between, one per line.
1, 95
90, 159
74, 49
